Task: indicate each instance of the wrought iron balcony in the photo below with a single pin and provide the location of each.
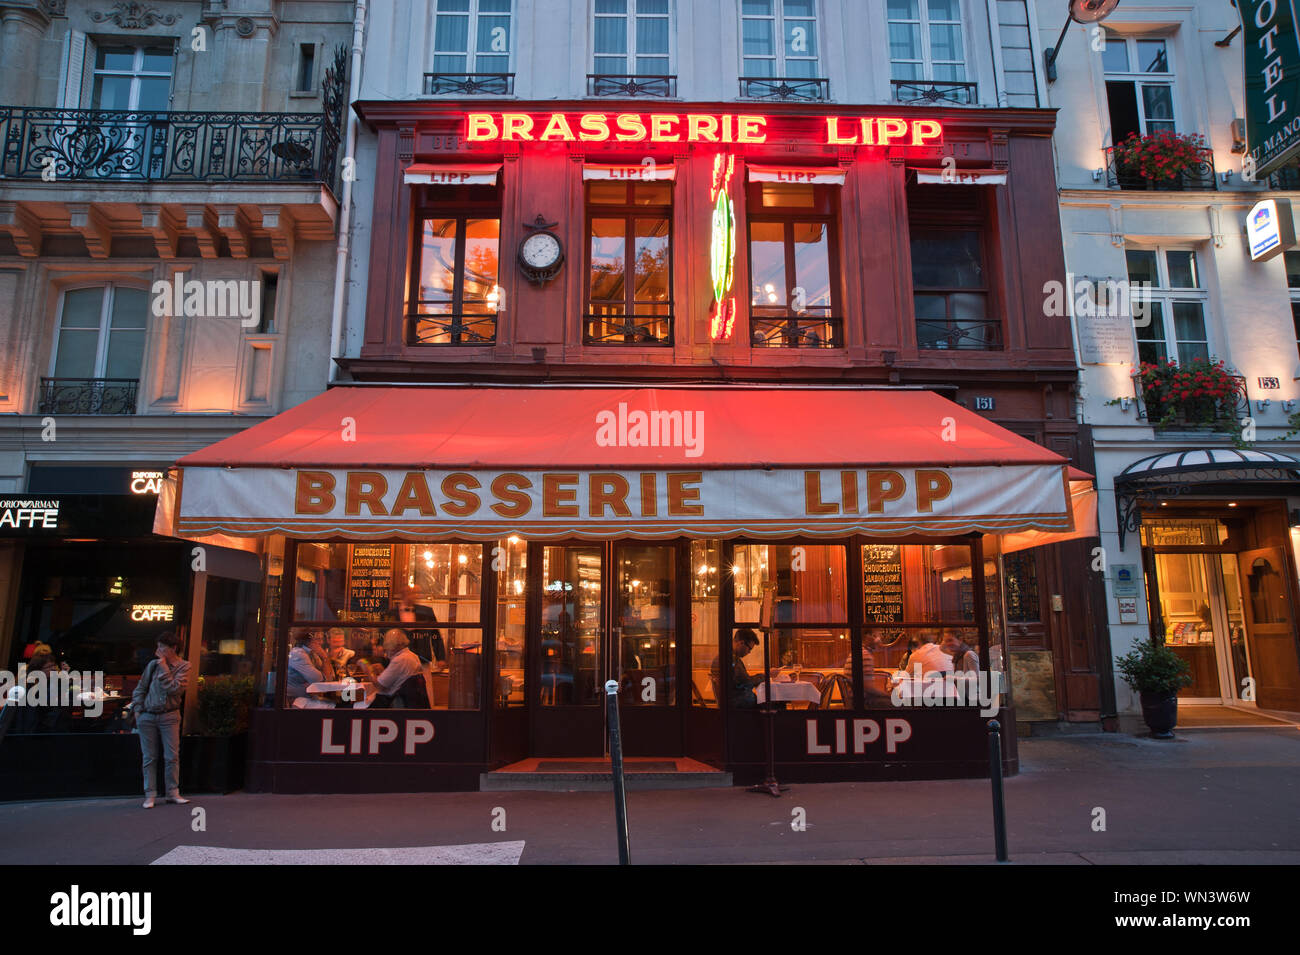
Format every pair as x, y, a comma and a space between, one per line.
458, 329
1200, 177
973, 335
469, 84
1196, 414
785, 88
1287, 178
926, 92
599, 329
87, 396
796, 331
121, 146
631, 84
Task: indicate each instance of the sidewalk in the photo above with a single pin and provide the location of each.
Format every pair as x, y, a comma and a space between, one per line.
1211, 796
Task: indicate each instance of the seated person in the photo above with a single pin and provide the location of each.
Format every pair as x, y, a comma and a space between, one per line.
928, 657
964, 659
376, 659
304, 668
401, 684
740, 688
339, 653
874, 694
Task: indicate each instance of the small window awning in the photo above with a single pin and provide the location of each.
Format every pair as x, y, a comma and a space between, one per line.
451, 174
425, 462
643, 172
928, 175
812, 175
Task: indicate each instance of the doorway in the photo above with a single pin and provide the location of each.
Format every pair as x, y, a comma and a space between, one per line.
608, 611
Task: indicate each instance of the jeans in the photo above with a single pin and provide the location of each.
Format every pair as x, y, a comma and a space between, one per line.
161, 729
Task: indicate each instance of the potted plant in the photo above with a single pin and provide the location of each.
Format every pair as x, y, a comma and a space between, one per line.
1160, 158
212, 760
1201, 393
1157, 674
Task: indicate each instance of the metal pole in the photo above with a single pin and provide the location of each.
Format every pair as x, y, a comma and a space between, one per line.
616, 766
995, 776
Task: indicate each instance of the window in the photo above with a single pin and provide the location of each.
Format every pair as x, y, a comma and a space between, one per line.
132, 78
795, 21
1172, 325
472, 36
454, 286
266, 314
793, 265
101, 333
306, 67
1293, 283
629, 288
631, 37
1139, 85
925, 40
950, 281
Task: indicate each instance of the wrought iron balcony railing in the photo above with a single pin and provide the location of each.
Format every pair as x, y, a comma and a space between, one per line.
1197, 414
630, 84
1200, 177
974, 335
936, 91
469, 84
458, 329
87, 396
111, 145
598, 329
785, 88
796, 331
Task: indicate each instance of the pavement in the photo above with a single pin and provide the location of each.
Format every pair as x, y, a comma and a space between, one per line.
1223, 796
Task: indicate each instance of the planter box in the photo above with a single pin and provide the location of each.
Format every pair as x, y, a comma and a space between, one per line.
213, 764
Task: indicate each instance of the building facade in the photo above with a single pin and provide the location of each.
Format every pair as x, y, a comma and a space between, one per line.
1198, 491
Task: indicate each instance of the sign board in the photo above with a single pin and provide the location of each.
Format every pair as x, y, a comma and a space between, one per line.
1105, 339
371, 579
1269, 229
1125, 583
882, 582
75, 515
1272, 79
1128, 610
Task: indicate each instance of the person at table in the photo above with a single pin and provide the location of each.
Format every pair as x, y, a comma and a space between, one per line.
740, 687
927, 656
964, 659
339, 653
401, 684
303, 665
376, 659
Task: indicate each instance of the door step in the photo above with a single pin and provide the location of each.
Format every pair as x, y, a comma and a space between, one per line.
594, 775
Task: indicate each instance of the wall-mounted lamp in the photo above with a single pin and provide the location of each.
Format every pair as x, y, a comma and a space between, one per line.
1263, 403
1125, 404
1081, 11
1097, 174
1225, 175
1288, 405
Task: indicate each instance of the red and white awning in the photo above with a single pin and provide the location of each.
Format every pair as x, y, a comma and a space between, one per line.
641, 172
810, 175
960, 177
451, 174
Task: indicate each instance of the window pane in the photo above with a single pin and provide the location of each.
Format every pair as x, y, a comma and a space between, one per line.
1153, 329
76, 354
115, 58
611, 65
944, 10
1292, 268
438, 261
454, 6
82, 308
493, 6
652, 65
905, 71
952, 260
758, 38
767, 262
760, 68
608, 249
801, 69
1189, 322
157, 60
111, 92
450, 63
1157, 103
945, 42
130, 308
646, 7
652, 34
756, 8
651, 264
966, 307
905, 41
931, 307
904, 10
800, 38
125, 354
949, 72
1152, 352
451, 35
493, 35
1152, 56
512, 581
607, 193
611, 6
492, 64
1182, 270
1141, 266
1114, 56
800, 8
810, 582
154, 94
611, 35
1295, 320
645, 649
812, 264
652, 193
482, 238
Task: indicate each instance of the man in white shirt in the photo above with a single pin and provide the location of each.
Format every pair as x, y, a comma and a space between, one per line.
929, 657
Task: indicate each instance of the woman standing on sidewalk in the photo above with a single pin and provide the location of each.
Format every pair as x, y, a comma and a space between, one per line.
157, 704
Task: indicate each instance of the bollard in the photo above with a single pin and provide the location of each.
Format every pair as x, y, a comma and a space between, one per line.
616, 767
995, 777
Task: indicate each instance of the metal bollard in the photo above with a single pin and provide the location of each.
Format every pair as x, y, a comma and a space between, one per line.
995, 777
616, 767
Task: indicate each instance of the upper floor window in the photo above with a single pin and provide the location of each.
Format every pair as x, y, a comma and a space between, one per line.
1139, 85
136, 78
1172, 325
951, 290
631, 37
795, 22
925, 40
472, 36
629, 287
455, 295
98, 351
1293, 283
793, 265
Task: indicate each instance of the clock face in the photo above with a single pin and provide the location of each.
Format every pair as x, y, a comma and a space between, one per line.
541, 250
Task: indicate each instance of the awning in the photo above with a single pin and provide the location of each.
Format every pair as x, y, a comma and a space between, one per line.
639, 171
960, 177
815, 175
422, 462
451, 174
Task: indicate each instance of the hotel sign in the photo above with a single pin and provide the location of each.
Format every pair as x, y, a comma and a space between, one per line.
1272, 65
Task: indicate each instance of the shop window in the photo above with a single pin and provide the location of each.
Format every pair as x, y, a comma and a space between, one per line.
358, 607
795, 55
134, 78
793, 265
472, 36
629, 288
1139, 85
1172, 326
512, 598
950, 275
706, 556
457, 244
1293, 283
631, 38
1020, 584
925, 40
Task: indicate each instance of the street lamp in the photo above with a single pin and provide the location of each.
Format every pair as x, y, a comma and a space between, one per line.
1081, 11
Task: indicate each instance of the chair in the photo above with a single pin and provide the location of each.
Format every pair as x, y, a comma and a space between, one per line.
837, 688
813, 677
413, 694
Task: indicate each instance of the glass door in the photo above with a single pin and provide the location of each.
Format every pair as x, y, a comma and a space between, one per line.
644, 654
1188, 601
1270, 622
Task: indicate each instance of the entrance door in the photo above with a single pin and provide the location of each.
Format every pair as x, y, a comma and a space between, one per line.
1201, 611
608, 612
1270, 622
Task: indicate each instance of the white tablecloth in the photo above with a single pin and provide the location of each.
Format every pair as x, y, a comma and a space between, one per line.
788, 692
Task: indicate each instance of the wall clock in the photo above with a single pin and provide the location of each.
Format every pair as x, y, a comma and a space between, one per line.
540, 252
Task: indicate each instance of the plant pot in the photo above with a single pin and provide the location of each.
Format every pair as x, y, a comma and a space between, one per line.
213, 764
1160, 712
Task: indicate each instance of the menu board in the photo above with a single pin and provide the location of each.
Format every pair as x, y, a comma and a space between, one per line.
371, 580
882, 582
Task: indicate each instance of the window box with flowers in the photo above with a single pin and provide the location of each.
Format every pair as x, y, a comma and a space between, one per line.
1201, 394
1164, 161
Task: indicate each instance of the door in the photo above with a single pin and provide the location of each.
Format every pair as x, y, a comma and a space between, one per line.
644, 654
1270, 626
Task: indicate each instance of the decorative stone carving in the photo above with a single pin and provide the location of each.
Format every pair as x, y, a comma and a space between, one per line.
245, 26
133, 16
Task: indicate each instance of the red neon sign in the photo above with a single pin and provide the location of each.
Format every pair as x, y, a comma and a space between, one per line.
722, 249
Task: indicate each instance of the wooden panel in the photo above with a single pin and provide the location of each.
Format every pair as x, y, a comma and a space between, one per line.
1035, 242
